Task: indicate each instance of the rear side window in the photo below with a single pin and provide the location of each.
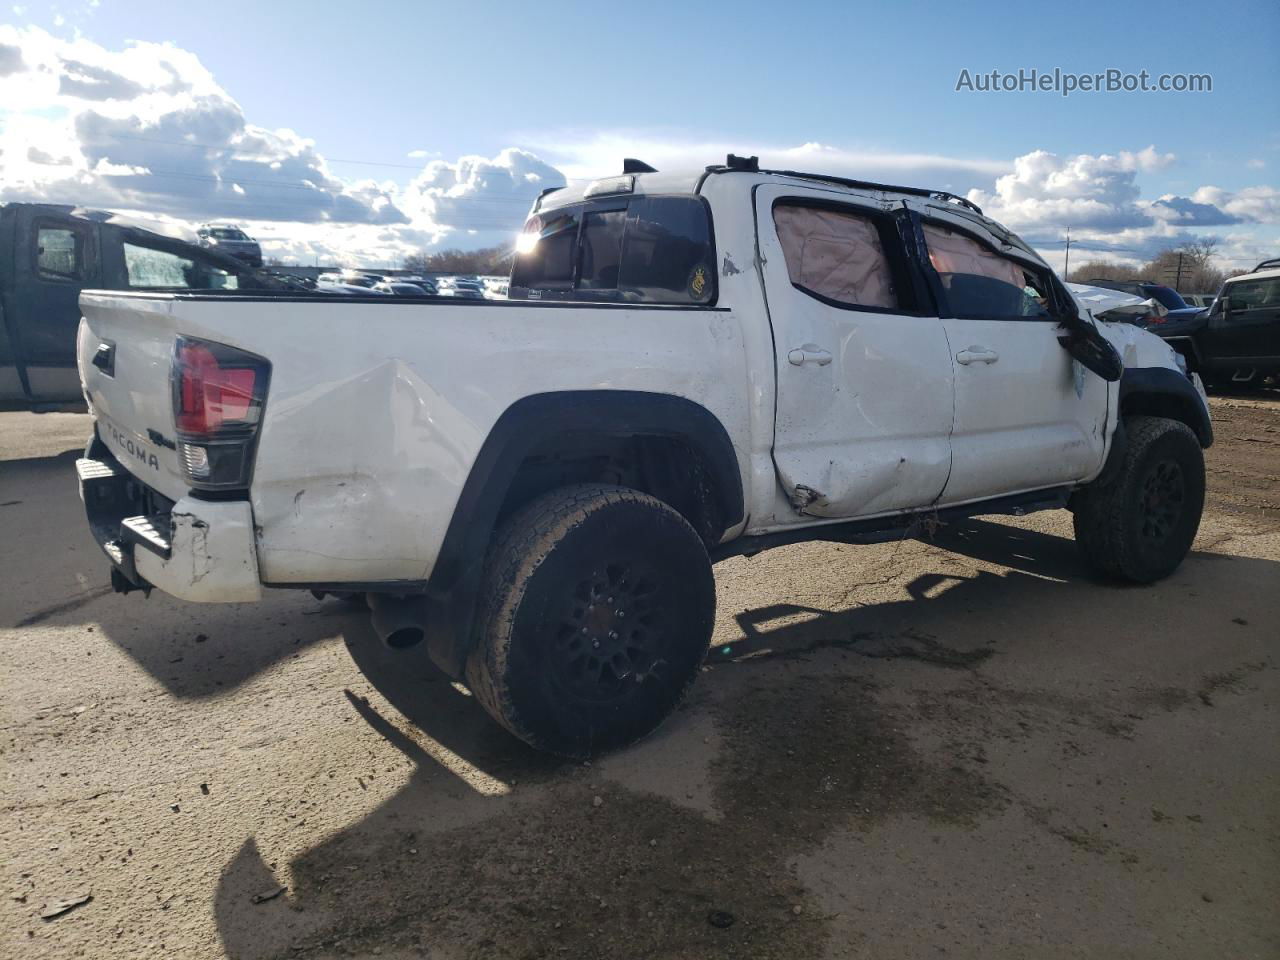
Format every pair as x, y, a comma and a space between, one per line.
152, 268
980, 284
59, 253
634, 250
601, 249
667, 254
836, 254
546, 252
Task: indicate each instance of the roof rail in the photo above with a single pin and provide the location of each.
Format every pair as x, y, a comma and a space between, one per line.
1267, 265
751, 165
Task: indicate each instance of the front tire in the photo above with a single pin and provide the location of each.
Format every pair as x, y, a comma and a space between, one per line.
1140, 524
595, 614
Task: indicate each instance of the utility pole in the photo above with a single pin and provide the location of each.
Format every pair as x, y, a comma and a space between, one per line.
1177, 283
1066, 267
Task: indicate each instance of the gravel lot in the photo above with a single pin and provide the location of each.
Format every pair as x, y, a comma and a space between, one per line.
966, 747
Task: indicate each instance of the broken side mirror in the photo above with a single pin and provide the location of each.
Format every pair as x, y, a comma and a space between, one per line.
1093, 351
1082, 339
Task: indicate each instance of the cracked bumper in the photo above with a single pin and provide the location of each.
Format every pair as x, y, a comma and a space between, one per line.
197, 550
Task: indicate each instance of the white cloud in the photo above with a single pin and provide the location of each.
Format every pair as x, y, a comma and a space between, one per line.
1252, 204
148, 127
1081, 191
585, 155
480, 194
1099, 198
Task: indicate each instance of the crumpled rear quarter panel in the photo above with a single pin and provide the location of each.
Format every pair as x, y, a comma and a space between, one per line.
376, 411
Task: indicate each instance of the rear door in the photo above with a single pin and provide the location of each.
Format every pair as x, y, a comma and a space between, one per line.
864, 393
1027, 416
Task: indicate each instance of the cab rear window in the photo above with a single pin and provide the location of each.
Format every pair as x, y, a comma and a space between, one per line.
630, 250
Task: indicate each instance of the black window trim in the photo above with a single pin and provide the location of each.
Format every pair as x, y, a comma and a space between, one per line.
900, 261
82, 237
1057, 312
622, 202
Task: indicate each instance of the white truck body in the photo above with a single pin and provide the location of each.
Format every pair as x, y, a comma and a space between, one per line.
385, 442
378, 410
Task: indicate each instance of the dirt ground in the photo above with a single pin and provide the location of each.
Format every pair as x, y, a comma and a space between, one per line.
966, 748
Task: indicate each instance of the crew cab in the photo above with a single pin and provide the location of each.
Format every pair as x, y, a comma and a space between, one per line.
689, 367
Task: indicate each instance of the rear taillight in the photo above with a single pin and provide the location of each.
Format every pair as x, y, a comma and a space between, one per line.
218, 393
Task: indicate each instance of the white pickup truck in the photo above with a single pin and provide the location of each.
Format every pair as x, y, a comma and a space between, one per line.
688, 368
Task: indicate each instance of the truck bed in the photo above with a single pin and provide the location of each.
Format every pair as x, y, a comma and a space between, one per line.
377, 408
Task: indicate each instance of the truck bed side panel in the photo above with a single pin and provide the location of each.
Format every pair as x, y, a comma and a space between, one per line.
376, 411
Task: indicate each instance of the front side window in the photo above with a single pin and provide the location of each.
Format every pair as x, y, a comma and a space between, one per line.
1254, 294
836, 254
153, 268
980, 284
59, 254
633, 250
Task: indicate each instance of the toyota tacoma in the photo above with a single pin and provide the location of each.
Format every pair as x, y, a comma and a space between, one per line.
689, 367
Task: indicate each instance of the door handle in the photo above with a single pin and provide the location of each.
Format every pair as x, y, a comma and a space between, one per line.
104, 358
809, 353
976, 354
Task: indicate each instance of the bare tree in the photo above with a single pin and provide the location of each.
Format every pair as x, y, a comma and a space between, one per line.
1101, 270
1189, 267
490, 260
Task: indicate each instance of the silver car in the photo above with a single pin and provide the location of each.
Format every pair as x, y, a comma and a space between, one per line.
229, 239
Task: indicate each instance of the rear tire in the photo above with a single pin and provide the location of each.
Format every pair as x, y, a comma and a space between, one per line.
1141, 523
596, 611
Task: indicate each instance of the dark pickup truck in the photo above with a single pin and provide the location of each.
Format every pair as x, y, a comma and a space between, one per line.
1236, 341
49, 253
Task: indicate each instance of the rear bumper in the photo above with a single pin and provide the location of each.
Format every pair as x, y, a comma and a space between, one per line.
197, 550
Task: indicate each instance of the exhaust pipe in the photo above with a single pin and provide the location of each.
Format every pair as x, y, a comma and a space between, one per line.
398, 621
1245, 374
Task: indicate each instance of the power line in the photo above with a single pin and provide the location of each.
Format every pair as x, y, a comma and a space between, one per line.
367, 163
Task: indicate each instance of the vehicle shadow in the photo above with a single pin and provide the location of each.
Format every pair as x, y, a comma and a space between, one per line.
55, 575
446, 868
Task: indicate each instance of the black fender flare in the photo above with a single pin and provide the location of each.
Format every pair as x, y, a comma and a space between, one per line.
1161, 389
454, 584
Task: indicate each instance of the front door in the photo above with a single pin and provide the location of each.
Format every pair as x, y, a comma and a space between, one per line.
53, 262
1249, 334
863, 371
1027, 415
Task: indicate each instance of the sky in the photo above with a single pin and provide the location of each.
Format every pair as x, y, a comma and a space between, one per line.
359, 133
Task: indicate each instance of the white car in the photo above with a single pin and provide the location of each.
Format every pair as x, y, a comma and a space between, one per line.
537, 488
